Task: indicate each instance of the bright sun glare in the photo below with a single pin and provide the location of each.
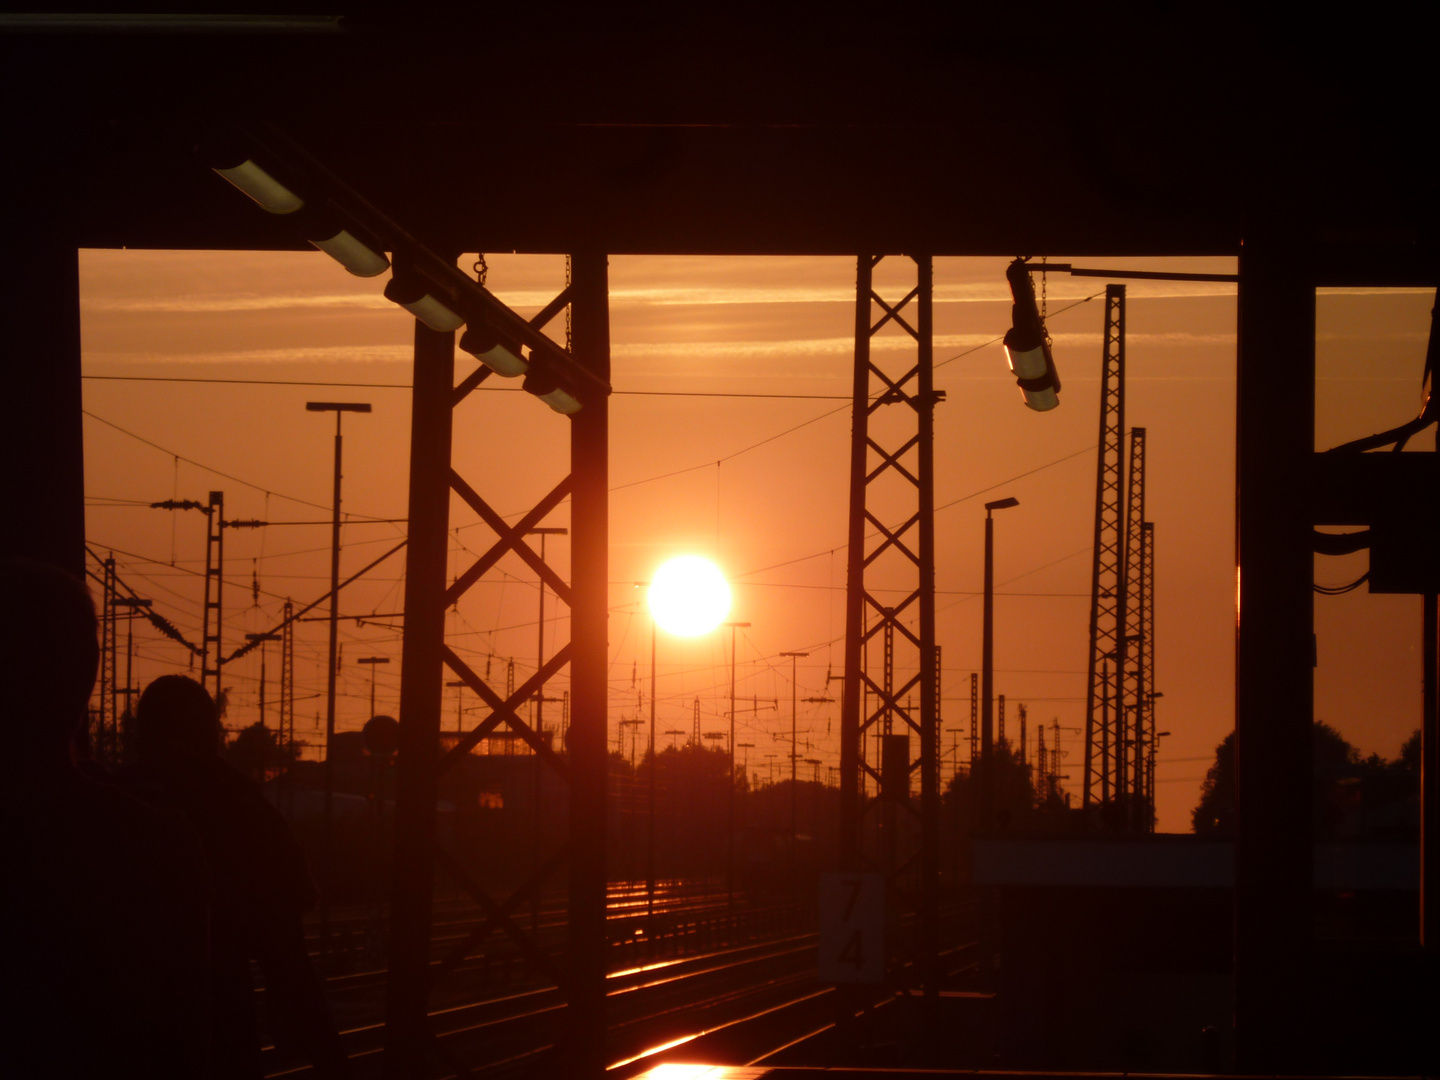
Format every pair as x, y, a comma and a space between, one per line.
689, 596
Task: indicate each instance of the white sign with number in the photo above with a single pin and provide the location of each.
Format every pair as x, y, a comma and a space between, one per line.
852, 928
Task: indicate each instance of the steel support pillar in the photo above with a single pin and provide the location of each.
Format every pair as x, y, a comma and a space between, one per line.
1275, 392
580, 765
590, 523
42, 478
903, 457
422, 674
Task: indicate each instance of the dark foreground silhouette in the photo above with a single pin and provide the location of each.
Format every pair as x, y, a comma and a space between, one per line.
261, 885
103, 899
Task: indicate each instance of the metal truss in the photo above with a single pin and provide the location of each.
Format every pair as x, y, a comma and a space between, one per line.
1146, 725
1130, 713
1107, 593
212, 658
580, 764
287, 677
908, 624
107, 731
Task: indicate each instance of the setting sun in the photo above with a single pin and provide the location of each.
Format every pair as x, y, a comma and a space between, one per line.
689, 596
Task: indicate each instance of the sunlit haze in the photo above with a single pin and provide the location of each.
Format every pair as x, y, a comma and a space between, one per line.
730, 431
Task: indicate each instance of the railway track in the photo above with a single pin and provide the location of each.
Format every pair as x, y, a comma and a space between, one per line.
732, 1005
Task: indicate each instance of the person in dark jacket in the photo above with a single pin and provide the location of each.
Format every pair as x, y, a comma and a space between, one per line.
103, 899
262, 886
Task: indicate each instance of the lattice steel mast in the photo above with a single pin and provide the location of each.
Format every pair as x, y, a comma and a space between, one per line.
1147, 675
905, 545
1129, 711
212, 659
1107, 595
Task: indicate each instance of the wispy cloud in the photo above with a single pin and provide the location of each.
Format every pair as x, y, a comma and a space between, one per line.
244, 302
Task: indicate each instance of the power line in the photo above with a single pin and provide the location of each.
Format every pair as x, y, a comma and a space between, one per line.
207, 468
483, 389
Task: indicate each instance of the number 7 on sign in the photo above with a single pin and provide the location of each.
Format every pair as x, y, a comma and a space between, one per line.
852, 928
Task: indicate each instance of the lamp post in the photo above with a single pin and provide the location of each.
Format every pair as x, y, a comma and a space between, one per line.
339, 408
372, 661
262, 639
987, 672
730, 800
795, 658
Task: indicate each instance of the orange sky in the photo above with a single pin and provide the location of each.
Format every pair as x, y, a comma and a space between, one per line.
773, 516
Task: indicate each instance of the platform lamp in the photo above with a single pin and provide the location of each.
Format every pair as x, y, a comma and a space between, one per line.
339, 408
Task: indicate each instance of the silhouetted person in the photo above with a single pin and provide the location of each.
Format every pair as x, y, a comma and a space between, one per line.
102, 898
262, 887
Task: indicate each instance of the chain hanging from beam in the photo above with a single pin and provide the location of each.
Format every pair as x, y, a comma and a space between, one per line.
892, 493
1130, 713
578, 766
1107, 594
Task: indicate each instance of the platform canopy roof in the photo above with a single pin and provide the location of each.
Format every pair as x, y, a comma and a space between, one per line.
830, 128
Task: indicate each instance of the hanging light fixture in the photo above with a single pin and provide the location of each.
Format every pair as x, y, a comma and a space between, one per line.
501, 357
321, 228
238, 168
1027, 346
410, 292
547, 388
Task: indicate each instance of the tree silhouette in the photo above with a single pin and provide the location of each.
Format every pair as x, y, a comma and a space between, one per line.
1344, 785
257, 752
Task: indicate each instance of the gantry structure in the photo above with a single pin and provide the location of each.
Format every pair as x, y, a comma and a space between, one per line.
523, 132
892, 538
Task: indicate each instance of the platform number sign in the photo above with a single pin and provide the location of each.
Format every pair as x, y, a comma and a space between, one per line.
852, 928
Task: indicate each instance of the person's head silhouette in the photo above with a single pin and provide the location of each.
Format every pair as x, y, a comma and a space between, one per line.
176, 722
48, 658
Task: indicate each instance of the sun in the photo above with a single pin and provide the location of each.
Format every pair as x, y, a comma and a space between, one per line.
689, 596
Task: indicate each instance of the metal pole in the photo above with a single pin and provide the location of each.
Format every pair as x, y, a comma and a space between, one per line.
794, 747
850, 698
420, 704
929, 653
1430, 785
421, 691
334, 648
585, 1021
650, 822
987, 685
730, 801
1274, 707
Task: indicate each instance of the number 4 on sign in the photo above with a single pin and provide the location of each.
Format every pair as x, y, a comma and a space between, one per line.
852, 928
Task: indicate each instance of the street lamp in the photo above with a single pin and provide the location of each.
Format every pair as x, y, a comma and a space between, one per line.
730, 801
262, 639
987, 671
795, 658
339, 408
372, 661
